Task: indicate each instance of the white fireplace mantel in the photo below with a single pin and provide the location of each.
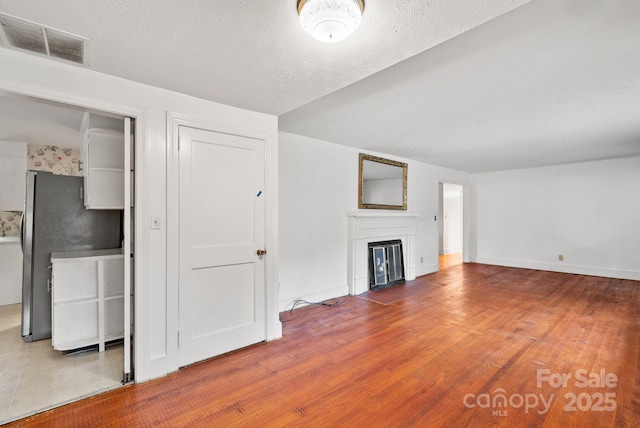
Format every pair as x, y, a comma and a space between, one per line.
372, 226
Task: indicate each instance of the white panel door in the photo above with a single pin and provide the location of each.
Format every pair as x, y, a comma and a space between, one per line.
222, 216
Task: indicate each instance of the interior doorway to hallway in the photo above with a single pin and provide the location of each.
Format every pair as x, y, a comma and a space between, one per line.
449, 260
451, 230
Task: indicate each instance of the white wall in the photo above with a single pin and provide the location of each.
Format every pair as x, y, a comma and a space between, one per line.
10, 271
587, 212
156, 289
318, 186
13, 166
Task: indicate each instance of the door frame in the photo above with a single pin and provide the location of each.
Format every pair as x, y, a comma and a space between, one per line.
56, 95
466, 217
174, 121
441, 224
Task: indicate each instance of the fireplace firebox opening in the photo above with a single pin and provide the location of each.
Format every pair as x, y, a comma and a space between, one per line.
386, 264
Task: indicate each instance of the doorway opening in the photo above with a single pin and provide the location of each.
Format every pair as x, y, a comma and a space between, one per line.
37, 375
451, 230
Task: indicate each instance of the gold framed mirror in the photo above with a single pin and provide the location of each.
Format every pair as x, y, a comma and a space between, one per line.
382, 184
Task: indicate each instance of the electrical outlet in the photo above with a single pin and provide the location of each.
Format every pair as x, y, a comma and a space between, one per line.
561, 257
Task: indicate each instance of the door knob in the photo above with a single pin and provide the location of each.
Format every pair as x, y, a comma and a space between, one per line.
261, 252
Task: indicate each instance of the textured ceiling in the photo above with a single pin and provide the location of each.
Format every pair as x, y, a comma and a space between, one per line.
250, 53
554, 81
476, 86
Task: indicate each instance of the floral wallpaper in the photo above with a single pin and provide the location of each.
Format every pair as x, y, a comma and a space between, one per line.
10, 223
58, 160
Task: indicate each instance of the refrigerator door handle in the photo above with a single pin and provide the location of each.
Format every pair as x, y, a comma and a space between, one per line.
49, 285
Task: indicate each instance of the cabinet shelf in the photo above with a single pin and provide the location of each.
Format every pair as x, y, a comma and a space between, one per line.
105, 132
77, 301
104, 168
95, 318
90, 340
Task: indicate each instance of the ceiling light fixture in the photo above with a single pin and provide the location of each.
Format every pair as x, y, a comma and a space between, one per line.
330, 21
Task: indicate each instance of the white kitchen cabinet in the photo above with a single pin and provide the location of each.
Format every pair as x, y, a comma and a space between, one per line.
87, 297
103, 162
13, 168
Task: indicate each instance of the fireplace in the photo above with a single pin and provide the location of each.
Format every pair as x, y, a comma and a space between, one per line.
365, 227
386, 266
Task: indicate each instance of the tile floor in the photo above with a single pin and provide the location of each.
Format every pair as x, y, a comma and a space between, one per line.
34, 377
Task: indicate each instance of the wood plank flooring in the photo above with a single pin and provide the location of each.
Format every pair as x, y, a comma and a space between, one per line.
477, 346
449, 260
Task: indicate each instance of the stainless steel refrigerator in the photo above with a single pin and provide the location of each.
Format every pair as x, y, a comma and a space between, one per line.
55, 219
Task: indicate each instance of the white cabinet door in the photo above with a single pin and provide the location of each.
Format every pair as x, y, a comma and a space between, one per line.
104, 169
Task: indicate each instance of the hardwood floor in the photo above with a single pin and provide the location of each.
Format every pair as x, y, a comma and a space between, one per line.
449, 260
473, 345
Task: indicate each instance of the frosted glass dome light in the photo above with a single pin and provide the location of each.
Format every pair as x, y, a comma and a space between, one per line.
330, 21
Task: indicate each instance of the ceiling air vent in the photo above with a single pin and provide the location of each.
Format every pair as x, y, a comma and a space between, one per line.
21, 34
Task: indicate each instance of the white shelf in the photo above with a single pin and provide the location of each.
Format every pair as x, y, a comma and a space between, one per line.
107, 169
89, 341
73, 256
87, 298
75, 301
105, 132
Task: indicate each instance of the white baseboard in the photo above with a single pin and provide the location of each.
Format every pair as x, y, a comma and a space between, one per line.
422, 270
277, 334
562, 267
318, 296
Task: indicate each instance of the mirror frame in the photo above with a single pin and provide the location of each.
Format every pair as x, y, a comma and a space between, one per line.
361, 203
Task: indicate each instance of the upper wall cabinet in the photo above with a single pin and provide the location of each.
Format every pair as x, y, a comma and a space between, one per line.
103, 162
13, 169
